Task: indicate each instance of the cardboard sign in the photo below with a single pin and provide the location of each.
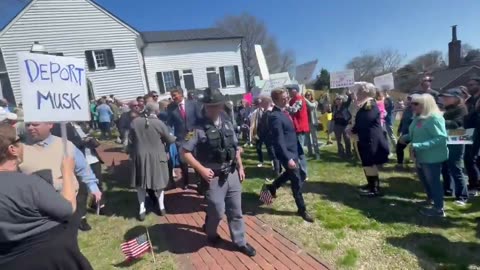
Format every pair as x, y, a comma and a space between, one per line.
54, 88
460, 136
342, 79
272, 84
384, 82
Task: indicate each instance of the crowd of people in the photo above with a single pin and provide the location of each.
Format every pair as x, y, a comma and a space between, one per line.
44, 193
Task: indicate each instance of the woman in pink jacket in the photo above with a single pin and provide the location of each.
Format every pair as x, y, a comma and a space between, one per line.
381, 107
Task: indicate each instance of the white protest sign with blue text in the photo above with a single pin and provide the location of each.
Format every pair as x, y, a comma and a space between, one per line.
342, 79
54, 88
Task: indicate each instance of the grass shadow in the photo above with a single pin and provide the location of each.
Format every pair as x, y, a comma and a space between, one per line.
387, 209
435, 251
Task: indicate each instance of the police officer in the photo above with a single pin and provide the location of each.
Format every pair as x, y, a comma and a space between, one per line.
211, 149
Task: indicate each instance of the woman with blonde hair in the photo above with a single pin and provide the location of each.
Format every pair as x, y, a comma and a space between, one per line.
372, 145
428, 138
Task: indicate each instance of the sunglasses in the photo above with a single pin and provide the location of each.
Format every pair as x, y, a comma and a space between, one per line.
415, 103
155, 96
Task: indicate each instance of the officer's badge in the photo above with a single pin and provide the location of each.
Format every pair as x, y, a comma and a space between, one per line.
190, 135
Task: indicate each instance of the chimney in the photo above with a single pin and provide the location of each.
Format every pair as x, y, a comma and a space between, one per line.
454, 50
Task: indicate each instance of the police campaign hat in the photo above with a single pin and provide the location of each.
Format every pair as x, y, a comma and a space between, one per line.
213, 96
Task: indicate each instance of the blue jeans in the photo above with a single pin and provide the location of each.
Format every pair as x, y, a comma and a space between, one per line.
429, 174
301, 138
453, 172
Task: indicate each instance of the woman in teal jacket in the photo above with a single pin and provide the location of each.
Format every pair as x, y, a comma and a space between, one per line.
428, 138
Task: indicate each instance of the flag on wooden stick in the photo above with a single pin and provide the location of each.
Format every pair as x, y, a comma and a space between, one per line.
135, 248
265, 195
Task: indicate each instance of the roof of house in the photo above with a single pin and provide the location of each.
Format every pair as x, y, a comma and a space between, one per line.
185, 35
15, 11
304, 72
443, 78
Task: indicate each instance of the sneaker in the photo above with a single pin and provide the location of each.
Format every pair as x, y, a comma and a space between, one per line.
460, 202
259, 165
473, 193
433, 212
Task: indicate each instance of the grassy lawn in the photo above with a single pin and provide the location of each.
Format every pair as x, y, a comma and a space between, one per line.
349, 233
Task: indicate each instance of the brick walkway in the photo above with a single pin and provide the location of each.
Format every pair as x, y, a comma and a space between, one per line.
186, 239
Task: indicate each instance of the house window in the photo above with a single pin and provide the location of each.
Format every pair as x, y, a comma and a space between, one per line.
229, 76
212, 78
188, 79
167, 80
100, 59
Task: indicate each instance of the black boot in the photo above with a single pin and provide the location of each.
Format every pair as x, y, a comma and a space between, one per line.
84, 226
373, 187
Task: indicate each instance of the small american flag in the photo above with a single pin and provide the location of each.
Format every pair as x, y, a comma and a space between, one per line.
266, 196
135, 248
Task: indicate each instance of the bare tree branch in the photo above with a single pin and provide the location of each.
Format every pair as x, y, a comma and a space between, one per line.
254, 31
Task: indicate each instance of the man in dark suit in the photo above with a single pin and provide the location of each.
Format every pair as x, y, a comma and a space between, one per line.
182, 117
288, 151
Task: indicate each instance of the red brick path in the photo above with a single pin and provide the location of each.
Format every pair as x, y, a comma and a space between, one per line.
186, 239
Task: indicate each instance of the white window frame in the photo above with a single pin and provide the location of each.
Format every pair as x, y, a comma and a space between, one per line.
225, 76
211, 71
164, 81
97, 67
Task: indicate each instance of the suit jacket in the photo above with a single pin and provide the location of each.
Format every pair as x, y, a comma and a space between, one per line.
176, 121
284, 138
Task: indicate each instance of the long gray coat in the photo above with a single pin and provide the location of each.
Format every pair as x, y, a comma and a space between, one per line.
148, 138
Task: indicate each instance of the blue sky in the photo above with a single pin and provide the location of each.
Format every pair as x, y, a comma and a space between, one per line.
331, 31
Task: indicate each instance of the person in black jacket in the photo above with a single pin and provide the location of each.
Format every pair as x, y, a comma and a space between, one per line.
452, 169
372, 143
472, 120
341, 119
288, 150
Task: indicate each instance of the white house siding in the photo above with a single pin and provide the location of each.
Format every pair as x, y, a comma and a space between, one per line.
72, 27
196, 55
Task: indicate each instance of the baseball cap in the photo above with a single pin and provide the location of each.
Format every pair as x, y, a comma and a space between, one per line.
6, 115
292, 87
453, 92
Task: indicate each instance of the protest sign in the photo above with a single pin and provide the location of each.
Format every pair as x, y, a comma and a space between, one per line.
460, 136
54, 88
272, 84
342, 79
384, 82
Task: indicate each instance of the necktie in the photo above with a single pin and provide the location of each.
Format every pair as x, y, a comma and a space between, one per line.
288, 115
182, 111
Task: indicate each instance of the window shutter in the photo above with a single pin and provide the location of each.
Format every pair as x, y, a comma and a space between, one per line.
90, 60
176, 74
110, 60
222, 77
161, 87
189, 82
237, 76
